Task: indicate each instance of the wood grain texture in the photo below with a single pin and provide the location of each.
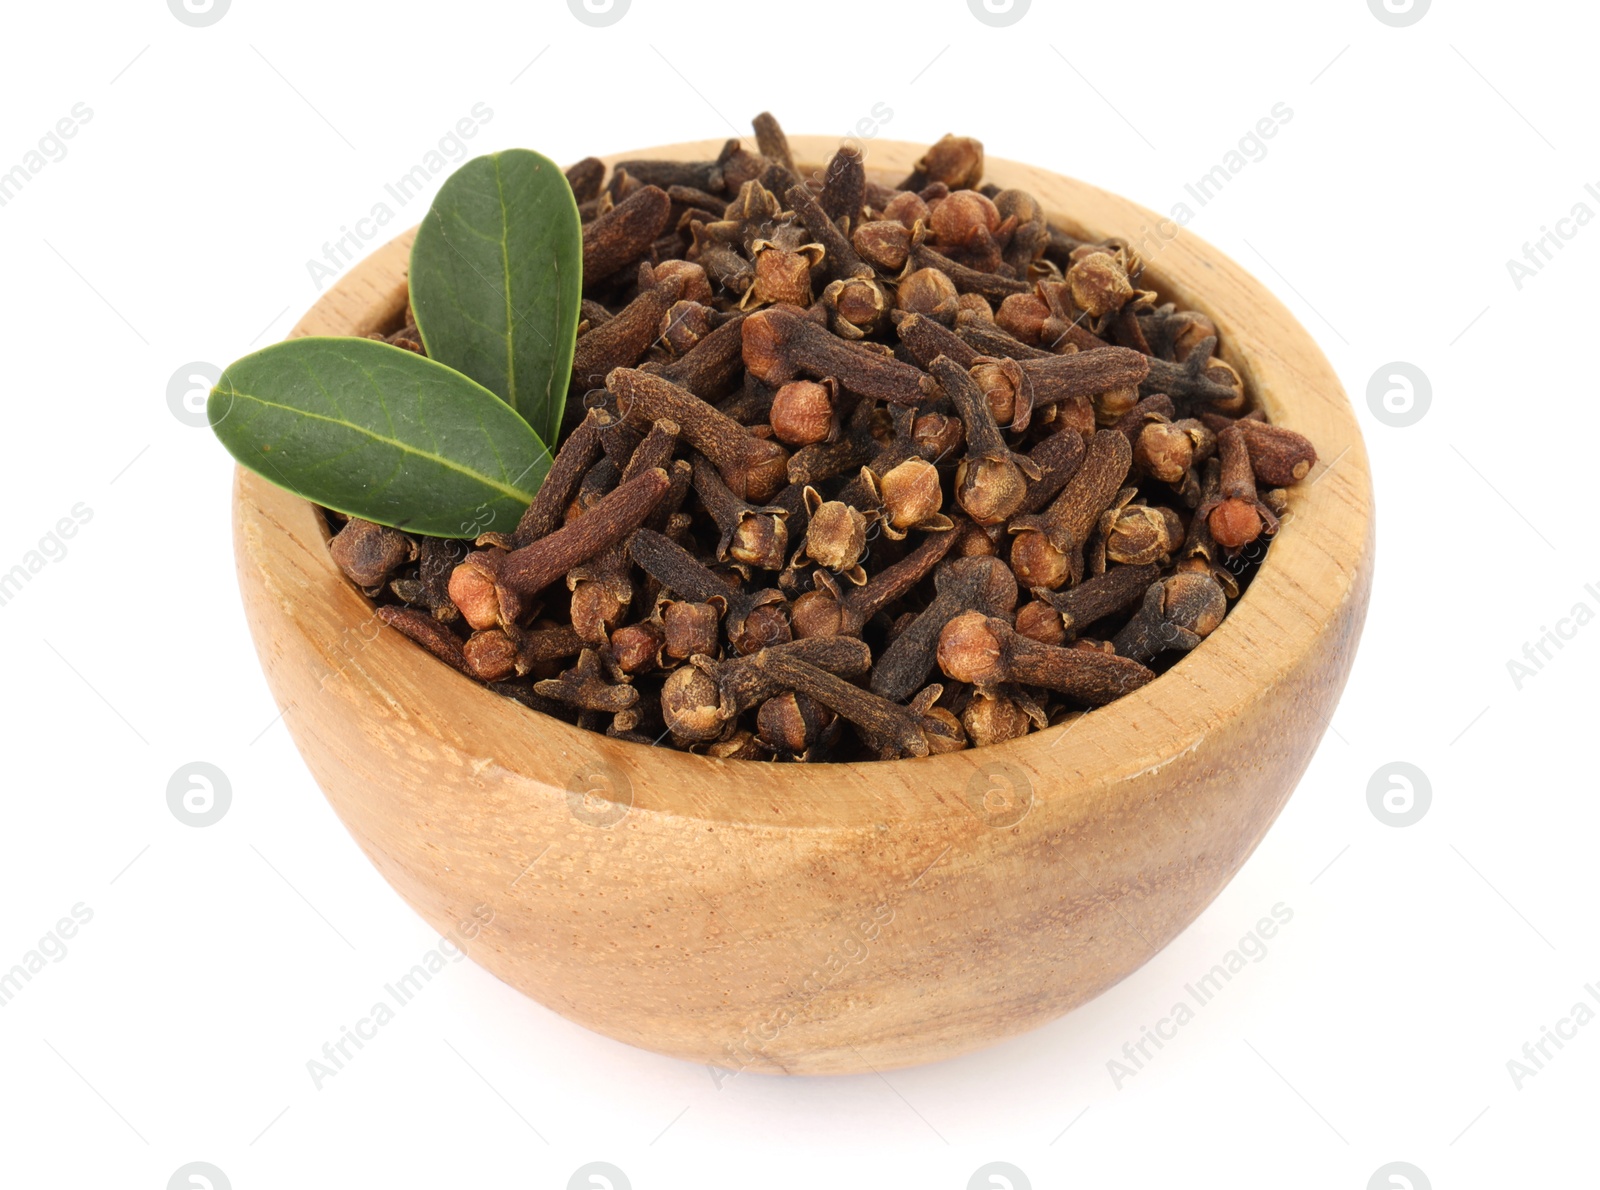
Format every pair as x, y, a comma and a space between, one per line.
832, 918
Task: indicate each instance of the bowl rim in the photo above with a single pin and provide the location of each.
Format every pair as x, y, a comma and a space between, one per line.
1319, 564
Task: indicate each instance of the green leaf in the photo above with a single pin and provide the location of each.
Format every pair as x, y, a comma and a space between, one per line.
497, 278
381, 433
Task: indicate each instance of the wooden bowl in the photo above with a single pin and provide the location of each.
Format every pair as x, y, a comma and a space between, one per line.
846, 917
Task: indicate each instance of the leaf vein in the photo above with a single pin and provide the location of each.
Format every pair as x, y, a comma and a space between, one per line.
500, 486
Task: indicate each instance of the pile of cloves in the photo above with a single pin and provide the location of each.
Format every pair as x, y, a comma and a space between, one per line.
852, 471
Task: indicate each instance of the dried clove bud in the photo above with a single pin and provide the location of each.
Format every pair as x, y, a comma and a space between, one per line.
1188, 383
973, 309
783, 276
1222, 373
1279, 456
702, 175
726, 268
1099, 284
791, 723
741, 745
844, 186
1094, 599
1148, 411
437, 557
836, 537
696, 286
1136, 534
1058, 458
993, 718
1235, 515
764, 626
678, 570
753, 468
930, 293
602, 592
927, 339
491, 655
987, 337
883, 243
822, 613
857, 307
937, 436
1168, 451
802, 413
977, 582
572, 462
852, 450
711, 367
430, 634
585, 178
895, 729
991, 482
979, 541
839, 260
1047, 549
906, 208
1041, 622
739, 683
770, 140
962, 218
682, 327
940, 726
986, 651
636, 648
1188, 330
544, 644
1007, 391
624, 234
753, 536
992, 286
368, 553
912, 497
1177, 613
779, 344
690, 705
602, 589
586, 687
492, 587
687, 629
622, 341
1087, 374
957, 161
1023, 316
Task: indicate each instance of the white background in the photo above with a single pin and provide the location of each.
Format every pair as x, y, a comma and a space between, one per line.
1419, 960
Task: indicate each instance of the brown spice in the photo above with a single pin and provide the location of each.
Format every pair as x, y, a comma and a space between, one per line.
987, 651
491, 587
1051, 544
368, 554
621, 235
973, 399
